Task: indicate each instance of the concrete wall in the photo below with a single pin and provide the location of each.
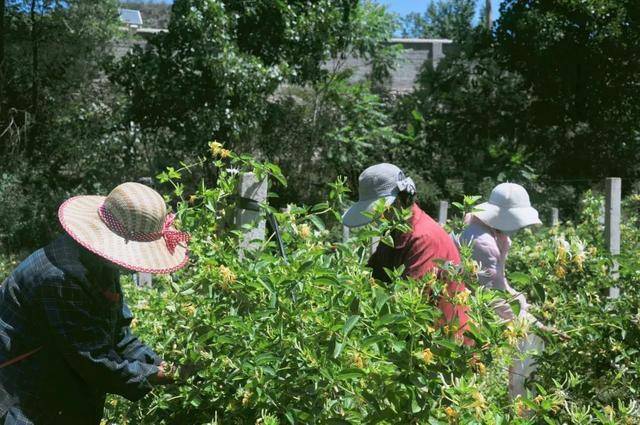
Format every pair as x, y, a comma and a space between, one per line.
415, 53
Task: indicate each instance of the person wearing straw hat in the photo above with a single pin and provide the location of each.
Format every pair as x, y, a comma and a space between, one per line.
419, 250
488, 231
65, 340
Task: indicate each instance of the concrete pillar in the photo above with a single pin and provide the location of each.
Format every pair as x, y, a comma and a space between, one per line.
143, 280
250, 189
375, 241
555, 217
612, 214
443, 210
346, 234
437, 53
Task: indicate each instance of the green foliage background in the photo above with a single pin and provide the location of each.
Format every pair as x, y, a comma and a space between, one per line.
546, 99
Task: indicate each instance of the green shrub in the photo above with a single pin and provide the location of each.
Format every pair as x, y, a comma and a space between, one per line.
315, 340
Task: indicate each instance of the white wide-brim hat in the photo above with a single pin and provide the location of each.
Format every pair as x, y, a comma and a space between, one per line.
508, 209
130, 228
376, 183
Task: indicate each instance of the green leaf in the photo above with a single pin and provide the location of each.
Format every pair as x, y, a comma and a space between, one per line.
387, 319
387, 240
373, 339
337, 349
317, 221
352, 373
415, 407
515, 306
519, 277
351, 322
267, 285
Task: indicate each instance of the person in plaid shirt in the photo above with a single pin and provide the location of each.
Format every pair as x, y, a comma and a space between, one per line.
65, 340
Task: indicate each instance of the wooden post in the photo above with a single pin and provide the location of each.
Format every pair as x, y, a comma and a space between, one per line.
250, 189
612, 212
555, 217
442, 212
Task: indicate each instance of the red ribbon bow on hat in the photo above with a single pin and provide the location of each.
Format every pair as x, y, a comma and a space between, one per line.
171, 236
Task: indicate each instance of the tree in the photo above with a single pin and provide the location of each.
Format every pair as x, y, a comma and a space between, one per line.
241, 71
52, 98
443, 19
581, 60
465, 120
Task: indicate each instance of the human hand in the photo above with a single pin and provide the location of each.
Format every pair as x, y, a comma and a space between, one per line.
165, 375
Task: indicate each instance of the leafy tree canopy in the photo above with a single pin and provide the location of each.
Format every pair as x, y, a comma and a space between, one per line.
451, 19
211, 74
581, 60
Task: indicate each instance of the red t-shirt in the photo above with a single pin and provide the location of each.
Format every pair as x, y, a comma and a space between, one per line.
418, 251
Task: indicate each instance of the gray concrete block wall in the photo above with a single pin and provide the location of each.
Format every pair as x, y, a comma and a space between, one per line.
415, 53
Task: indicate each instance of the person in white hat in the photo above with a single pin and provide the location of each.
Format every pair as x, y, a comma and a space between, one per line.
65, 340
419, 250
488, 232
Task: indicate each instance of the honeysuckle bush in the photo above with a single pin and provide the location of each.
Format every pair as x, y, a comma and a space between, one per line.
567, 272
313, 338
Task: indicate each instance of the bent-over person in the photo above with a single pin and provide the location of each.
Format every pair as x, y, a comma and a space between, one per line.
488, 231
65, 340
419, 250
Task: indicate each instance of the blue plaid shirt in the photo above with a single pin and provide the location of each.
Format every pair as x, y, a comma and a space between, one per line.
65, 300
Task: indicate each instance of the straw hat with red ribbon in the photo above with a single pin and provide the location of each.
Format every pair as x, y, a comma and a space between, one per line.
130, 228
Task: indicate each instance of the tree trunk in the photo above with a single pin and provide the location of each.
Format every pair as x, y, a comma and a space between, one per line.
2, 73
487, 11
34, 57
35, 79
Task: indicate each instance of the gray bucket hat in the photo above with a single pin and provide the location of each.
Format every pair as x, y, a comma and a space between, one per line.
508, 209
381, 181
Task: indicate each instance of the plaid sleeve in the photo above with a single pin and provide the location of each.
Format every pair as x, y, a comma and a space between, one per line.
82, 330
129, 346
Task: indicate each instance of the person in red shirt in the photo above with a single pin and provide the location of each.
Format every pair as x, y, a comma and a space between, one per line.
419, 250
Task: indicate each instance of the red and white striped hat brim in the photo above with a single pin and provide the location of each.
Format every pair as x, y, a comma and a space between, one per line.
80, 218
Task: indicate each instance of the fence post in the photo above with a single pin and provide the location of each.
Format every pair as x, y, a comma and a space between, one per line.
555, 217
375, 241
443, 210
250, 189
612, 211
346, 233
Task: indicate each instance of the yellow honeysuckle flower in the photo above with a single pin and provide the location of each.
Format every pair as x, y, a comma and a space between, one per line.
304, 231
227, 275
427, 356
